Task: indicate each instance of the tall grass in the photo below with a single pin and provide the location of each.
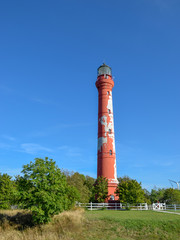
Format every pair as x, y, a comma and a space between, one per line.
15, 225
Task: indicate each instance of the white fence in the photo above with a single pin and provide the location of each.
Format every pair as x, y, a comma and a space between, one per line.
159, 206
165, 207
125, 206
113, 206
173, 207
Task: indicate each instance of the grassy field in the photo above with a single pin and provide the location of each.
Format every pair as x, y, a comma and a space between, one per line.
92, 225
137, 224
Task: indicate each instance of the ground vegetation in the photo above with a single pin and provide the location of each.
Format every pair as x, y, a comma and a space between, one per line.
92, 225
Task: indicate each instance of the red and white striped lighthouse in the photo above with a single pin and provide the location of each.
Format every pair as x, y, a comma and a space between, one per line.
106, 162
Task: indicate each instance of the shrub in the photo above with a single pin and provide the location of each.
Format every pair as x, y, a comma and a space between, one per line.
43, 189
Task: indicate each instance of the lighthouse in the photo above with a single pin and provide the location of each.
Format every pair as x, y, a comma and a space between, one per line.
106, 156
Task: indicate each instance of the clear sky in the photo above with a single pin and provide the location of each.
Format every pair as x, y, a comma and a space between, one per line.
49, 55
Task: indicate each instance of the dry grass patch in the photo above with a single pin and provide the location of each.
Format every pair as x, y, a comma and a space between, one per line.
15, 218
69, 221
17, 225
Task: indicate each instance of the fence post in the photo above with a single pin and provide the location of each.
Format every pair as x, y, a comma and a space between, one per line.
116, 206
91, 205
174, 207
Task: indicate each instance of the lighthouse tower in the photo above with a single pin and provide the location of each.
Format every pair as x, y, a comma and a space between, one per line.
106, 162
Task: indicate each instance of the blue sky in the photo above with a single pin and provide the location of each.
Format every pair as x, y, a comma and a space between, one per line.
49, 55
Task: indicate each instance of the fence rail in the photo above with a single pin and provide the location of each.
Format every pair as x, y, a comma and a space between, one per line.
174, 207
123, 206
113, 206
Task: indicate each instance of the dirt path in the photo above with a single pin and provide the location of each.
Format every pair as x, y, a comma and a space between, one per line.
167, 212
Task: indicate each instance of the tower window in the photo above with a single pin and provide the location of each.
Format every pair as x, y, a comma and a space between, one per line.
109, 111
110, 152
109, 130
108, 93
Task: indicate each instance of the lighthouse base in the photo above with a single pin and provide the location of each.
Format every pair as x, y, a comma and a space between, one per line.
111, 192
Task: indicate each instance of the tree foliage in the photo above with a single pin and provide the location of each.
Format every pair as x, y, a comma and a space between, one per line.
100, 190
171, 196
130, 191
8, 191
79, 182
44, 190
90, 182
157, 194
122, 179
147, 195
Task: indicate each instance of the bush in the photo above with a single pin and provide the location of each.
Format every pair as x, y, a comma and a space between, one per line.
44, 190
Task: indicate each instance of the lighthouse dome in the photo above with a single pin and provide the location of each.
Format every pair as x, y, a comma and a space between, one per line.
104, 69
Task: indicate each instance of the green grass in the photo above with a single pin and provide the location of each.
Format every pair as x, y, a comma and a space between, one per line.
138, 225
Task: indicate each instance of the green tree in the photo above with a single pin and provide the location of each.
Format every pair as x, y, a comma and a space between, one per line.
100, 190
171, 196
8, 191
130, 191
79, 182
147, 196
90, 182
44, 190
157, 194
122, 179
